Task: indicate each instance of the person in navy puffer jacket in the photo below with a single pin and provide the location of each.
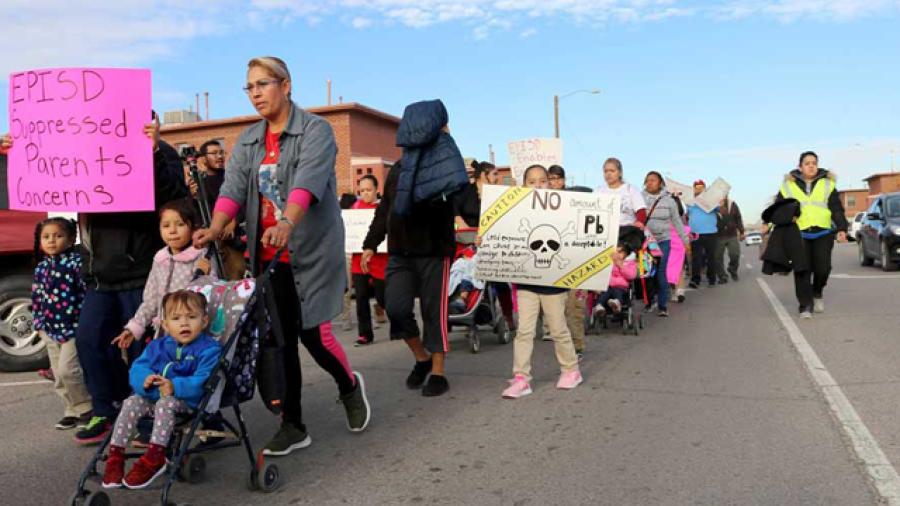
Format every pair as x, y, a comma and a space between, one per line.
167, 379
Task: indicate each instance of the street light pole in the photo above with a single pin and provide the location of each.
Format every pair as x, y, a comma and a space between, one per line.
557, 98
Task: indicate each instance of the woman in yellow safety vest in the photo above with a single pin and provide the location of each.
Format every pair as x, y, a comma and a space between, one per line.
821, 218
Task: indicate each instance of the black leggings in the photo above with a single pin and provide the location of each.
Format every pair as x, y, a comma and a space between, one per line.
319, 342
810, 284
365, 287
703, 254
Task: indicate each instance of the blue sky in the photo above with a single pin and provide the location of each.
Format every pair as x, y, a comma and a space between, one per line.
735, 89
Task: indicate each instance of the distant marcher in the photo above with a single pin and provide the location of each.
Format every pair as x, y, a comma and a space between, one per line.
661, 217
371, 283
731, 233
821, 219
703, 249
633, 207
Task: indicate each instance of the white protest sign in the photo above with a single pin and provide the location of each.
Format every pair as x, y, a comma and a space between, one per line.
528, 152
547, 237
682, 191
356, 226
710, 198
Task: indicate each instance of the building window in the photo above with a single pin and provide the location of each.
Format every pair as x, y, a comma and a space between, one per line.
369, 170
851, 200
359, 172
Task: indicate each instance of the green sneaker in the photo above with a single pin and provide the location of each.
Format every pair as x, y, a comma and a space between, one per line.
288, 438
94, 432
356, 404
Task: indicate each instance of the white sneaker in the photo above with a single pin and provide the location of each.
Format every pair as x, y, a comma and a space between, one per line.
806, 315
819, 305
615, 305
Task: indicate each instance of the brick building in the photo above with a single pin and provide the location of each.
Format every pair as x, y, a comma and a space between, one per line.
365, 139
854, 201
885, 182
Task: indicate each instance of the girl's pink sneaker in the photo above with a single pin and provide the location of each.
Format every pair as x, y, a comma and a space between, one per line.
518, 387
569, 380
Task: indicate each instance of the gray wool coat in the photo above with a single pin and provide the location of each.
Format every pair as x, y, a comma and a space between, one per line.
316, 244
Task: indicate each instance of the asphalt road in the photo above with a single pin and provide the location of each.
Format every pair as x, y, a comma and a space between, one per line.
713, 406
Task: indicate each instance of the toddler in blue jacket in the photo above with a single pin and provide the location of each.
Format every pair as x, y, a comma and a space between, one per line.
167, 379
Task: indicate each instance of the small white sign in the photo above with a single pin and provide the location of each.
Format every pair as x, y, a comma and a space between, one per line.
537, 151
713, 195
356, 227
681, 190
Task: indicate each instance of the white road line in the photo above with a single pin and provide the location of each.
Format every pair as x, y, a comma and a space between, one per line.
879, 469
865, 276
25, 383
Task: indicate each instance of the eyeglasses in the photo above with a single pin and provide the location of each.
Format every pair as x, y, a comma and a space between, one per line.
262, 83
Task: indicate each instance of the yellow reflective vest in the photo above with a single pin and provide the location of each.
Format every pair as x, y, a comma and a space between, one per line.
814, 211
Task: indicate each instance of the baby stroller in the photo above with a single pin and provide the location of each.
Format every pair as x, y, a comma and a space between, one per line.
481, 306
238, 317
642, 287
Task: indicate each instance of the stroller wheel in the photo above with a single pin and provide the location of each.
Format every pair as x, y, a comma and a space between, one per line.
252, 481
474, 341
193, 470
98, 498
502, 331
268, 478
77, 499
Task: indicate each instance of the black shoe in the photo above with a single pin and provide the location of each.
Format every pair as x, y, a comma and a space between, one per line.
288, 438
67, 423
735, 277
723, 281
417, 377
681, 299
694, 285
712, 284
356, 404
94, 432
437, 385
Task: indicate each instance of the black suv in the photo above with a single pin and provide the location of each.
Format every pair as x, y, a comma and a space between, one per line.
879, 235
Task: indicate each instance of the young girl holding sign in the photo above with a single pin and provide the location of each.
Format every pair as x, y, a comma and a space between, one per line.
367, 285
531, 300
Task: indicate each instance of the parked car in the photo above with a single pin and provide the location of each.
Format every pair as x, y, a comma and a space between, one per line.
21, 348
855, 226
879, 234
753, 238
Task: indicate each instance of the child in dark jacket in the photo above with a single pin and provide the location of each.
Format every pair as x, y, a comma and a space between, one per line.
167, 379
56, 296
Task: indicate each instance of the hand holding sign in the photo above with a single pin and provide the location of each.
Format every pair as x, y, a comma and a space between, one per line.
76, 142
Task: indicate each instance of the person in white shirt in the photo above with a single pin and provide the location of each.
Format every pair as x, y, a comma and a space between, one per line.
634, 210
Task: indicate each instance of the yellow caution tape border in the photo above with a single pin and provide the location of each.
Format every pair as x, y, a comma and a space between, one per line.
577, 276
508, 200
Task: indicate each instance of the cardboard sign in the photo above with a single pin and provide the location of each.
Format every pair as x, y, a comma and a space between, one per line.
682, 191
78, 140
710, 198
547, 237
356, 226
528, 152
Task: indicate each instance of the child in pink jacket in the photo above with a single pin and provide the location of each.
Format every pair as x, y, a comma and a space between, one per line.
174, 267
623, 272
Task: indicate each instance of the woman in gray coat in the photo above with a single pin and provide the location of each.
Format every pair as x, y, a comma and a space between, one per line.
281, 174
662, 214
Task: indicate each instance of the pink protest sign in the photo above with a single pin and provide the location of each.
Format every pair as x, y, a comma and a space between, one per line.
78, 140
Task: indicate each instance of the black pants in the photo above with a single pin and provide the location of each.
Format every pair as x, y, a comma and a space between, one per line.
427, 277
365, 287
810, 284
319, 342
103, 316
703, 253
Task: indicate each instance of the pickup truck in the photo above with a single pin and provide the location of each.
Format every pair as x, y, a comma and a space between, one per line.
20, 347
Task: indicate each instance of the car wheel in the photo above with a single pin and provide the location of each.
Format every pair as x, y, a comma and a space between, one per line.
864, 260
21, 349
886, 264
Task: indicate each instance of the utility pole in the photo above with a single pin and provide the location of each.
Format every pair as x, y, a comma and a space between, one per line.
491, 153
556, 116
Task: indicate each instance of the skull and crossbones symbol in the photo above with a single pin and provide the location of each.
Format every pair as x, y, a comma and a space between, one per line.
545, 242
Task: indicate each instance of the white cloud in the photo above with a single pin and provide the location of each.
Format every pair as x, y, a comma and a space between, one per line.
132, 32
